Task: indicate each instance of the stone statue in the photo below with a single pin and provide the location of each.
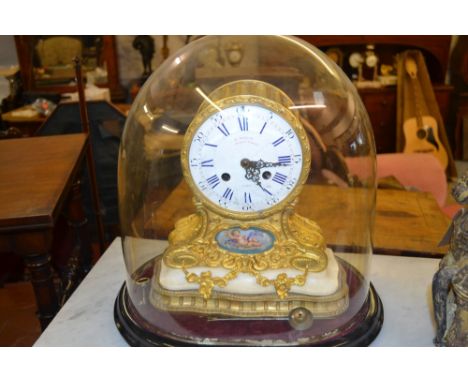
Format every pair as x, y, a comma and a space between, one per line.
13, 100
145, 45
450, 283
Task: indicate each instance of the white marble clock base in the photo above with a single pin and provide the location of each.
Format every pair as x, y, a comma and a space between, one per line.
322, 283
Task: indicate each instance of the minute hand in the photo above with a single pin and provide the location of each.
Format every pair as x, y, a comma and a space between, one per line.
261, 164
253, 174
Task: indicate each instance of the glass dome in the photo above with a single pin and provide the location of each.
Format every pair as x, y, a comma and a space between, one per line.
247, 196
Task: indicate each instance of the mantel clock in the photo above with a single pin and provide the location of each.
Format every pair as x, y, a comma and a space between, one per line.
227, 238
245, 251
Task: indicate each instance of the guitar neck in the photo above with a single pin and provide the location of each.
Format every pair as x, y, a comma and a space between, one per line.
419, 102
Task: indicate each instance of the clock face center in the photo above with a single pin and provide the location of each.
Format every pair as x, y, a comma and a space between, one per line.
245, 163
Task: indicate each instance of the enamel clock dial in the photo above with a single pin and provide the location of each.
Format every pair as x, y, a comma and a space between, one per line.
245, 158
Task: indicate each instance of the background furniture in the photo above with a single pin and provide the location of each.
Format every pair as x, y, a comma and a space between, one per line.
405, 222
27, 125
58, 51
422, 172
33, 56
435, 48
461, 128
459, 79
30, 125
381, 103
36, 177
402, 282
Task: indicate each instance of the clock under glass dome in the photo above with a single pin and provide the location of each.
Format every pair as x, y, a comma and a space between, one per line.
246, 196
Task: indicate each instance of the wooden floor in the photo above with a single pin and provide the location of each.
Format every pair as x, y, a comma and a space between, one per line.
18, 323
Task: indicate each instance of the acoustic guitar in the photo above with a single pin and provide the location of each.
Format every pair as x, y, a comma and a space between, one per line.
421, 133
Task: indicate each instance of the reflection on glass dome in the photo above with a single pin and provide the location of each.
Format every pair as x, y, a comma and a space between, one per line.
247, 194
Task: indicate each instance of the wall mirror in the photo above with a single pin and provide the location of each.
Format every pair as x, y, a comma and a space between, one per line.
46, 62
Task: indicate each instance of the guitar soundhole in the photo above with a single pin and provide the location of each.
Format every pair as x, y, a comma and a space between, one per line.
431, 138
421, 134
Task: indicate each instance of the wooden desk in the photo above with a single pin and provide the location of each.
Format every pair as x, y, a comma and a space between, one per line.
36, 176
406, 223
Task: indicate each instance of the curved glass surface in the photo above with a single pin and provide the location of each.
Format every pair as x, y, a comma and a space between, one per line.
318, 236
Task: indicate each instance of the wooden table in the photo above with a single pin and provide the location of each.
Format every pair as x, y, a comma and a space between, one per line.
36, 177
406, 223
28, 125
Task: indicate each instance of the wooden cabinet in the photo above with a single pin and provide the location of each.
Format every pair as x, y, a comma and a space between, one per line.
459, 79
381, 103
435, 49
381, 107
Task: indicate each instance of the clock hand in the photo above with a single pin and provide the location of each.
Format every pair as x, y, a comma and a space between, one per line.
252, 171
261, 164
246, 163
256, 180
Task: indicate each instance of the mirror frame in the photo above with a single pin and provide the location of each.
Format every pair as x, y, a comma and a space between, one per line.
109, 53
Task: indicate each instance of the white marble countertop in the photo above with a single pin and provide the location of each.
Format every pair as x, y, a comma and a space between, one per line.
403, 283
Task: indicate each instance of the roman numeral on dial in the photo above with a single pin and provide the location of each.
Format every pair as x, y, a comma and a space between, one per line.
278, 141
290, 134
207, 163
247, 201
284, 159
228, 194
223, 129
213, 181
279, 178
243, 123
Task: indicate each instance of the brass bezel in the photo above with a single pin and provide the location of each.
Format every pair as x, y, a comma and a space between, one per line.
208, 110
